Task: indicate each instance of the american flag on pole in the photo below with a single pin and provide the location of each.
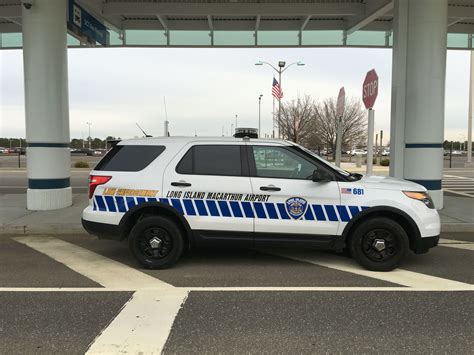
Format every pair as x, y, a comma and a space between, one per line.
276, 90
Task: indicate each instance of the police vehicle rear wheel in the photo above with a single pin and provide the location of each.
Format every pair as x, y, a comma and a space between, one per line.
379, 244
156, 242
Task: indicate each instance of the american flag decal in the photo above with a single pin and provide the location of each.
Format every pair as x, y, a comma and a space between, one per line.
347, 191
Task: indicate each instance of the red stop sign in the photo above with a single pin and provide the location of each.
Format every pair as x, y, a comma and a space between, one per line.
370, 89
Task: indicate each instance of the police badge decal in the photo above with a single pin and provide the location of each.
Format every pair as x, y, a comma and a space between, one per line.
296, 207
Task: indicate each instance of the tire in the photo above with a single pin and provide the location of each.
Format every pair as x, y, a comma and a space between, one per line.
168, 246
385, 232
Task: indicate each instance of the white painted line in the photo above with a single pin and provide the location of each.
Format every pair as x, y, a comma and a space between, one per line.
109, 273
143, 324
398, 276
468, 287
458, 244
61, 289
247, 289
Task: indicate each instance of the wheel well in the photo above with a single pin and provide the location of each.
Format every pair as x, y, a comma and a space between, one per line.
154, 211
404, 221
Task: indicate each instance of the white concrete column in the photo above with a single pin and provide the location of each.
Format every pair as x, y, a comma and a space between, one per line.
399, 74
46, 105
423, 108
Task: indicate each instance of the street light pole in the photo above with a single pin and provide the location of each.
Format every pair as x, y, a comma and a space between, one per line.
280, 70
469, 117
90, 143
259, 113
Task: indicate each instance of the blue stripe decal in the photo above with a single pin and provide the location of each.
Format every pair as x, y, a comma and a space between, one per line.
224, 208
110, 203
177, 204
282, 209
424, 145
121, 204
259, 210
318, 211
201, 207
141, 200
354, 210
308, 214
100, 203
212, 207
236, 209
130, 202
247, 209
343, 213
272, 213
331, 212
188, 205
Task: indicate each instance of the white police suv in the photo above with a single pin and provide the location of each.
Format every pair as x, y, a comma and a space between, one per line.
167, 194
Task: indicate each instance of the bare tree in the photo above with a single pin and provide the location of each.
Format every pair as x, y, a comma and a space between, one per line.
297, 120
354, 123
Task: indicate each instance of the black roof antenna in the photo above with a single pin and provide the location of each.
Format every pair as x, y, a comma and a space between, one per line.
141, 129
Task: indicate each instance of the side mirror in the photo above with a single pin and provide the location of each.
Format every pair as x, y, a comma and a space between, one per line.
321, 176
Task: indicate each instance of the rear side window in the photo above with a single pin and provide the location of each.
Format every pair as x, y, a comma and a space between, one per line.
211, 160
129, 157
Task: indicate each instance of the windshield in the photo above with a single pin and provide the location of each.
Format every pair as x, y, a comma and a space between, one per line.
331, 166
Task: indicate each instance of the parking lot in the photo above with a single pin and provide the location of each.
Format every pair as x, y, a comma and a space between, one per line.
73, 293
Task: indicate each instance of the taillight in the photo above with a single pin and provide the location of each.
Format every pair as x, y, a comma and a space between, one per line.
96, 180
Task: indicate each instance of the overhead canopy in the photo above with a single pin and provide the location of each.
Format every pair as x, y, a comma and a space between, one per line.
247, 23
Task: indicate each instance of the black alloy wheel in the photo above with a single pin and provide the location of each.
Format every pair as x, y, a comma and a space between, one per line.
157, 242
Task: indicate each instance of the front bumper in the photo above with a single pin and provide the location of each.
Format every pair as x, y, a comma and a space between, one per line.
422, 245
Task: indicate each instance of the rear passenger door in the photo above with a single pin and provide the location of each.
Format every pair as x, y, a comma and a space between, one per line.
208, 183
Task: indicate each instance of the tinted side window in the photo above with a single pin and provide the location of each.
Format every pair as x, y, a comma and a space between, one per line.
129, 157
278, 162
211, 160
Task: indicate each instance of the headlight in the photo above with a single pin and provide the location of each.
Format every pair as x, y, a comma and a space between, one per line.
420, 196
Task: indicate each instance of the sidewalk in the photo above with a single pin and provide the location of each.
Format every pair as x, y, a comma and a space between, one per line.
457, 216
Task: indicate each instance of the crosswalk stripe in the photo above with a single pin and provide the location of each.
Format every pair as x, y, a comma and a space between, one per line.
458, 244
143, 325
107, 272
398, 276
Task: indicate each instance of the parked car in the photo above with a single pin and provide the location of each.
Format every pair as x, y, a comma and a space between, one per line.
166, 195
83, 151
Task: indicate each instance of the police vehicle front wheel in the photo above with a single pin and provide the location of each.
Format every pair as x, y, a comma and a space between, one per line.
156, 242
379, 244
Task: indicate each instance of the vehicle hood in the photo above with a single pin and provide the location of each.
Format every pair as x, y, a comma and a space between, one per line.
389, 183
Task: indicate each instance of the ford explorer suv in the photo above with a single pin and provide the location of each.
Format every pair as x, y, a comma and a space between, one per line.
169, 194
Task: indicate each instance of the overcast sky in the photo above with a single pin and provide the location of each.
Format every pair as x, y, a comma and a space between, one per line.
206, 88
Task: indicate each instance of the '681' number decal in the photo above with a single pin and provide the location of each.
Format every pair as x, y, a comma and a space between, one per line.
357, 191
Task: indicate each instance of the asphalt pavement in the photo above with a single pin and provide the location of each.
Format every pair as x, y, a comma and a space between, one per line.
75, 293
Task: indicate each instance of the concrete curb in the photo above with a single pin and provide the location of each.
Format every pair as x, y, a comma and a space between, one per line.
457, 227
52, 229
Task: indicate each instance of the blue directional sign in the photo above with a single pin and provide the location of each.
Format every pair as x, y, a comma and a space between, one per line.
83, 23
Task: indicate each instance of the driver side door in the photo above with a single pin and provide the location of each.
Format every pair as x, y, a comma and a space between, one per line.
293, 203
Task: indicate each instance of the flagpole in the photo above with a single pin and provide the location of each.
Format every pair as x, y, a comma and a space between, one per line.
273, 118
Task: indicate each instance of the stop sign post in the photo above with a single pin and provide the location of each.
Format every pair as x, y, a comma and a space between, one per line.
341, 100
370, 90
